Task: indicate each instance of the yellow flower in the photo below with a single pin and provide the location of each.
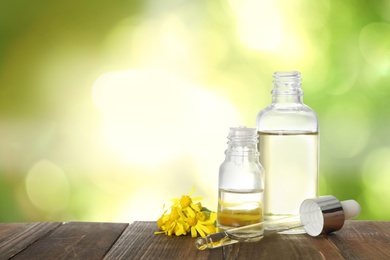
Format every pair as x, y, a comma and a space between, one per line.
186, 201
207, 225
200, 224
174, 214
201, 216
180, 228
192, 221
186, 216
212, 229
160, 221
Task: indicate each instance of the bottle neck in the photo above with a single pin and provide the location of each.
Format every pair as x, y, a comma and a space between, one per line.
287, 99
244, 151
287, 88
242, 144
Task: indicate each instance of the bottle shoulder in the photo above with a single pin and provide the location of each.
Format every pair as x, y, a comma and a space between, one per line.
294, 117
286, 108
236, 176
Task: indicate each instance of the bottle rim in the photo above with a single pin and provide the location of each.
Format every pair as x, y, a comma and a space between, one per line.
287, 83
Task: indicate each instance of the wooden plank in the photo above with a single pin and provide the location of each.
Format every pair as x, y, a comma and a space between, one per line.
325, 247
363, 239
75, 240
139, 242
279, 246
15, 237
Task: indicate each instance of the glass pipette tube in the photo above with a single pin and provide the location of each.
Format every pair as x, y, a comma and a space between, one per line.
324, 214
269, 227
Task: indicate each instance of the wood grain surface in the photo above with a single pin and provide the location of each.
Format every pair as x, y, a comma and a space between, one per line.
86, 240
139, 242
15, 237
363, 240
74, 240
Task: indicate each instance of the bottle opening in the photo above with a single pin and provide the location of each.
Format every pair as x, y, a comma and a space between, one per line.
287, 74
242, 131
287, 82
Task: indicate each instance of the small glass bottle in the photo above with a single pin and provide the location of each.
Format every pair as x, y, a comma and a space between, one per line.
241, 184
288, 146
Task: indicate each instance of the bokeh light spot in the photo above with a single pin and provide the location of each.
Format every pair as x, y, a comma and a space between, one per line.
259, 26
346, 78
292, 50
376, 179
47, 186
144, 204
376, 165
314, 14
374, 44
346, 129
151, 116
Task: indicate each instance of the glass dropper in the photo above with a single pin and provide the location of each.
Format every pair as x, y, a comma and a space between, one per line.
324, 214
236, 235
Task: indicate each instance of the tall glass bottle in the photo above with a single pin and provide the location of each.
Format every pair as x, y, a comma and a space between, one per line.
289, 147
241, 184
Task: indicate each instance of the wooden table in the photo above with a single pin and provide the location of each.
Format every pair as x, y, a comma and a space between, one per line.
85, 240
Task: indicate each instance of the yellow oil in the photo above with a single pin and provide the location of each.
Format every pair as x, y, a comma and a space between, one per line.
290, 161
237, 209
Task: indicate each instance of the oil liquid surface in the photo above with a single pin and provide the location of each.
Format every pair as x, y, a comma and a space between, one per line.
237, 209
290, 161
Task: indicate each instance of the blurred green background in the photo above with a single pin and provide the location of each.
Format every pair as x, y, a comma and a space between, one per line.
108, 109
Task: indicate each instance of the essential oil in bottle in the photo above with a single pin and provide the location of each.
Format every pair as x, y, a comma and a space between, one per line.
241, 184
291, 160
288, 145
238, 209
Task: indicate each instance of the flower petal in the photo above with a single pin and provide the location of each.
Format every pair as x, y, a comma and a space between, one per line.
200, 231
165, 218
204, 228
190, 212
181, 229
192, 191
197, 198
193, 232
206, 222
170, 228
182, 216
213, 216
195, 207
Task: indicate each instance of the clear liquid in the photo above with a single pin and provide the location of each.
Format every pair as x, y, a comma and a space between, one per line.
290, 161
237, 209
